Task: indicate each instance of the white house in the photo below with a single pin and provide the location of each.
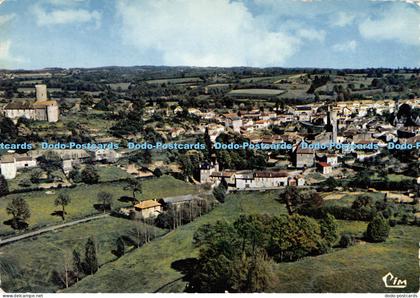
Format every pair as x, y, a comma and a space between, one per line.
248, 179
332, 159
8, 166
24, 161
325, 168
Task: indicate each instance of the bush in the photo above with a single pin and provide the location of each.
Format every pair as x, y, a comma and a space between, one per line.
378, 229
392, 222
347, 240
75, 176
157, 172
89, 175
219, 193
4, 186
329, 229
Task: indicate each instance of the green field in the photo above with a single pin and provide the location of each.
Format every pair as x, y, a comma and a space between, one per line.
347, 199
34, 259
111, 173
117, 86
356, 269
255, 91
83, 199
175, 80
393, 177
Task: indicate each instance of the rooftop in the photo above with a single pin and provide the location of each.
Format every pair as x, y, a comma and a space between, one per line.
147, 204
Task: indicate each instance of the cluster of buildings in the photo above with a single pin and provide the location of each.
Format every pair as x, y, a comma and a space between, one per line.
43, 109
11, 163
249, 179
345, 123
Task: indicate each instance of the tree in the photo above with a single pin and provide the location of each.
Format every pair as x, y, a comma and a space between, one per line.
64, 277
62, 200
378, 229
166, 220
362, 201
135, 186
19, 210
232, 257
36, 175
77, 265
294, 237
331, 183
291, 196
4, 186
137, 234
361, 180
346, 240
252, 274
329, 228
86, 100
75, 175
49, 162
157, 172
90, 175
8, 130
91, 261
105, 198
119, 252
187, 166
219, 193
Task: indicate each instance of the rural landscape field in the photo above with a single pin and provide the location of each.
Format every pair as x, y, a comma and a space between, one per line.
209, 147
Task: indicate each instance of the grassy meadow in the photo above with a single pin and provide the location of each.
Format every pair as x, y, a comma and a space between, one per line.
244, 92
355, 269
34, 259
84, 197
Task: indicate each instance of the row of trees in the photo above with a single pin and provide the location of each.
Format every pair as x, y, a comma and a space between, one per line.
176, 216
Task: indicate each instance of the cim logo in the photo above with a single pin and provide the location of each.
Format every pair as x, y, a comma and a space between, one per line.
392, 281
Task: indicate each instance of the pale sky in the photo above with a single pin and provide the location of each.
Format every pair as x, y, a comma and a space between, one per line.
260, 33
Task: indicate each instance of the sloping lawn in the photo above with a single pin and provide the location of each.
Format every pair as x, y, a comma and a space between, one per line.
34, 259
356, 269
83, 199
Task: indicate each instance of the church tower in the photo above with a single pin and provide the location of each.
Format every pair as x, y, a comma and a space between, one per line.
41, 93
332, 124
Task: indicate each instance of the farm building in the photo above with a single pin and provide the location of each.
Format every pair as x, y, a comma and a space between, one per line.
148, 208
178, 200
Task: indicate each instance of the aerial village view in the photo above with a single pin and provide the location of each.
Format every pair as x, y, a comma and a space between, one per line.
267, 178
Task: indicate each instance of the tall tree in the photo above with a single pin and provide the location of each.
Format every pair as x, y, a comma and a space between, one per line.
77, 265
329, 229
91, 260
